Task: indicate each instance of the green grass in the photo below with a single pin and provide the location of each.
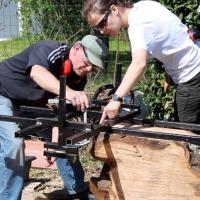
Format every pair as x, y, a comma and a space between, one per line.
97, 80
11, 47
123, 45
124, 54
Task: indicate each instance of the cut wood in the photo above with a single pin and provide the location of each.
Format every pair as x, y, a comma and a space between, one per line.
146, 169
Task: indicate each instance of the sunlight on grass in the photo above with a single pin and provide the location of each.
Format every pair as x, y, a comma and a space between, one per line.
123, 45
95, 81
11, 47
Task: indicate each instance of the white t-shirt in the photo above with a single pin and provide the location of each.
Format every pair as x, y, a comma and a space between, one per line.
154, 28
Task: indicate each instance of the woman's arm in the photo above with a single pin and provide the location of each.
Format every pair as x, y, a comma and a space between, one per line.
132, 77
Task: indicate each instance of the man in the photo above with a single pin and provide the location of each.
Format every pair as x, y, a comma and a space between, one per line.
30, 78
153, 32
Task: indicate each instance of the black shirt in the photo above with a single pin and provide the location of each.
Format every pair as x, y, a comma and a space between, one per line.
15, 82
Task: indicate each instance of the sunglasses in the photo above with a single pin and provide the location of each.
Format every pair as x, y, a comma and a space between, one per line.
103, 22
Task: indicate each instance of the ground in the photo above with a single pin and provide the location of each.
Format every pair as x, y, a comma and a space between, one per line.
44, 181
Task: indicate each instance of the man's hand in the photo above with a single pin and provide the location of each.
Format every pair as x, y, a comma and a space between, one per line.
79, 99
111, 110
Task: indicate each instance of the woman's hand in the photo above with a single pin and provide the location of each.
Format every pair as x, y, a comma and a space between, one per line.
111, 110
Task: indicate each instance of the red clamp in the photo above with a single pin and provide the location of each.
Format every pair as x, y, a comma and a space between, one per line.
67, 68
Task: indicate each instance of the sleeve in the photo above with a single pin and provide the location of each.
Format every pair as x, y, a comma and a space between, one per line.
140, 38
38, 56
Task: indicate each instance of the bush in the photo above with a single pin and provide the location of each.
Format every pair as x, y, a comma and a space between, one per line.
51, 19
160, 103
188, 11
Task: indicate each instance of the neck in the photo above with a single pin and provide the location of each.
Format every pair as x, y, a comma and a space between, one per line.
124, 13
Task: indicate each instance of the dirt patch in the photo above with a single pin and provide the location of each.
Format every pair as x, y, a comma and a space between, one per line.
43, 181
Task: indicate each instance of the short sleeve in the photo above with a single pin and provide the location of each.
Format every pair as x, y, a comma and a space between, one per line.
140, 39
37, 56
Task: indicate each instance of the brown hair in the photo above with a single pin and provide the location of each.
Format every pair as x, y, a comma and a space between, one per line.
102, 6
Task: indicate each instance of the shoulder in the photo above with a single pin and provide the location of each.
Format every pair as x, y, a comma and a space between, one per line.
50, 48
47, 44
59, 52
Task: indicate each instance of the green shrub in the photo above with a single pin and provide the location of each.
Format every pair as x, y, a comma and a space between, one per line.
160, 103
188, 11
51, 19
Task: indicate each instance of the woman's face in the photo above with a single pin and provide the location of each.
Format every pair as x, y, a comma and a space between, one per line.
109, 23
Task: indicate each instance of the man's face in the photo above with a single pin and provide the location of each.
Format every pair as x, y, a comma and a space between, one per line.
81, 64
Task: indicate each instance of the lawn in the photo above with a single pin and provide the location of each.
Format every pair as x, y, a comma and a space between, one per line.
11, 47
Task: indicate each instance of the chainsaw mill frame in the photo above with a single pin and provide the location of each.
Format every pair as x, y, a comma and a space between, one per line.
62, 117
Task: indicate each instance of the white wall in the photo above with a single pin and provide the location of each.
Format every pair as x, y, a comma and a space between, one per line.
9, 21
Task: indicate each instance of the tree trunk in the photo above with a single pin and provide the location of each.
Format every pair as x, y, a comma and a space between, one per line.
145, 169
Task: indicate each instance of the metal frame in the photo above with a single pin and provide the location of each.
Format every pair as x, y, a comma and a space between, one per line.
62, 117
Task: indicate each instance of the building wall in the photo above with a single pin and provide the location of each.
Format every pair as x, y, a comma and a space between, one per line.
9, 20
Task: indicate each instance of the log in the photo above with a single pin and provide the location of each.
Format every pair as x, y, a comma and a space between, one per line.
145, 169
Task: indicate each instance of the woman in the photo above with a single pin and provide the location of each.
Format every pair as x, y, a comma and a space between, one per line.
153, 32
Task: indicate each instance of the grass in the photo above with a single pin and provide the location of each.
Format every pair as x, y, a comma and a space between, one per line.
11, 47
123, 45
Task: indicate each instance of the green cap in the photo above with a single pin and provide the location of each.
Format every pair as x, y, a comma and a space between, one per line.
95, 50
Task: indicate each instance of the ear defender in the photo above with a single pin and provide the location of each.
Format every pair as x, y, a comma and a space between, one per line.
67, 68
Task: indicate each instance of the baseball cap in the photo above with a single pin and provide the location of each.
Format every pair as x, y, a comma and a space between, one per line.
95, 50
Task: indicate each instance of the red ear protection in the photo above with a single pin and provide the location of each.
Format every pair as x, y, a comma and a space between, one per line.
67, 68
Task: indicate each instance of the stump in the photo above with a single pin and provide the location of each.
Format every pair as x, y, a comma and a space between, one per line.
145, 169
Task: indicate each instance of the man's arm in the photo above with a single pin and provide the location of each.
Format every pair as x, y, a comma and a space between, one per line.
132, 76
48, 82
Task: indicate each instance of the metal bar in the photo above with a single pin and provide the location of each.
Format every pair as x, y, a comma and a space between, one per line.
37, 110
46, 121
58, 154
117, 75
94, 114
86, 134
167, 124
98, 128
17, 119
71, 115
28, 130
180, 125
144, 122
78, 137
61, 110
122, 118
123, 105
70, 149
157, 135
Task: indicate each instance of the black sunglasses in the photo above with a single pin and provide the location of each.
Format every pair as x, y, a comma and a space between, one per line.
103, 22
